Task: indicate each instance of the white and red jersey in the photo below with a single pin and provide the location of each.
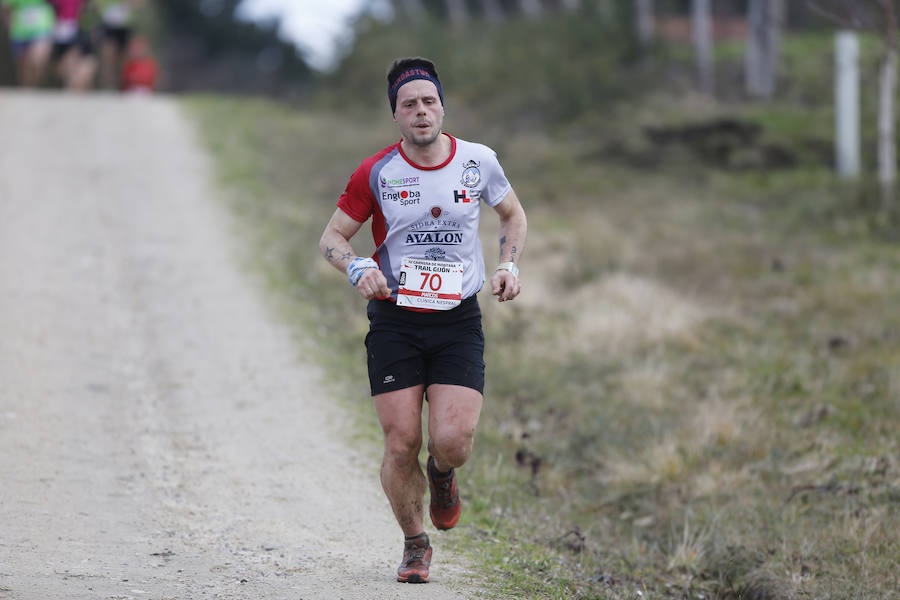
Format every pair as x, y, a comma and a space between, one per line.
427, 212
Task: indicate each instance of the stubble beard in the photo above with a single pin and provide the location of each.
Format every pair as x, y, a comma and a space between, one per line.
417, 140
424, 142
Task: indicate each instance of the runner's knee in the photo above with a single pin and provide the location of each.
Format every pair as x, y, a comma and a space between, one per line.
453, 450
400, 446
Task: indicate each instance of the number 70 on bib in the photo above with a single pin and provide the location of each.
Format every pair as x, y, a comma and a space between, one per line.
432, 284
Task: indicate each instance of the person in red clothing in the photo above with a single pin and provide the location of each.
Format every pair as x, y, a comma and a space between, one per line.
140, 70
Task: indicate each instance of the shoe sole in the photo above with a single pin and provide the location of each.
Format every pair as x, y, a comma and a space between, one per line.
414, 578
444, 526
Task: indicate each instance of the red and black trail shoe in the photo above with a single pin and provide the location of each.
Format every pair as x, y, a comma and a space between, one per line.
416, 560
445, 505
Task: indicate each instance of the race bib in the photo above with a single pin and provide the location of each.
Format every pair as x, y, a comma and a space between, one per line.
432, 284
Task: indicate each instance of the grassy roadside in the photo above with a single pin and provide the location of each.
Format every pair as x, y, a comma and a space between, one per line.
697, 395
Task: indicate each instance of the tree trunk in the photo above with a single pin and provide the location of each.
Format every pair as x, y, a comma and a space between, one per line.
456, 9
644, 21
493, 12
531, 8
606, 10
7, 64
765, 18
701, 30
410, 10
887, 90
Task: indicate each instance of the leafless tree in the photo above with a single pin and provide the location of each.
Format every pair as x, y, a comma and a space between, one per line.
701, 31
531, 8
644, 20
410, 10
765, 18
887, 92
493, 12
456, 10
606, 9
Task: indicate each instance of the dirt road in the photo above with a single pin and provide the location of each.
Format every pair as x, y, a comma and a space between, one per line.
160, 436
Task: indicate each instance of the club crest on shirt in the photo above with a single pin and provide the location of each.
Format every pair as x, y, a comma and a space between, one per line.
471, 176
436, 212
435, 253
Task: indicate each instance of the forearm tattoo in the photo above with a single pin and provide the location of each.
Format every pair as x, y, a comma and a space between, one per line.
512, 253
329, 254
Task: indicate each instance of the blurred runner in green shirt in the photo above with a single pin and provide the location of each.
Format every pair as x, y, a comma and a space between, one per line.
30, 24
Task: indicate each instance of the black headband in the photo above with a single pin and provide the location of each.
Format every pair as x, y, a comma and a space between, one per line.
409, 75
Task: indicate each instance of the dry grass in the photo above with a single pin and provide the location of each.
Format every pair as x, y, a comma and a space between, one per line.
697, 394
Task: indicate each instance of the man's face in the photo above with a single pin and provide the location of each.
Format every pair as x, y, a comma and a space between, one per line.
420, 114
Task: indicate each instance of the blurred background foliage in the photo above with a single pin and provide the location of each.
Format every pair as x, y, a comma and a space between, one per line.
579, 69
206, 48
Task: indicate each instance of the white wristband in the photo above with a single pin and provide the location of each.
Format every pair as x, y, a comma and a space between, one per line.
357, 266
509, 266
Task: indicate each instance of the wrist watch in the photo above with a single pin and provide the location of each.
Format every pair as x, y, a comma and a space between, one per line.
509, 266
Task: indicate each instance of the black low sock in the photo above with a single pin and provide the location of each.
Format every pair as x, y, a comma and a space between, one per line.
433, 468
417, 537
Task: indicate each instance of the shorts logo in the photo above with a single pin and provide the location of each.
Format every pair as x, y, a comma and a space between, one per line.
388, 379
471, 176
435, 212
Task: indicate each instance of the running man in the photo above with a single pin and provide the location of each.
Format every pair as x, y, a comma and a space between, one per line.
30, 24
425, 341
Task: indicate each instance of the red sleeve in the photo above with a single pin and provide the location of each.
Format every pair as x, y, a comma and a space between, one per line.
357, 200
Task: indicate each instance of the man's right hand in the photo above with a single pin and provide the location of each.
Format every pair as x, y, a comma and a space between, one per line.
373, 284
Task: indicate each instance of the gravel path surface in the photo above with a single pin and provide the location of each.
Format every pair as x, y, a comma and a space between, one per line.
160, 436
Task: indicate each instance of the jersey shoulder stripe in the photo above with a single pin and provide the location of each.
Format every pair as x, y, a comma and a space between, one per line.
358, 199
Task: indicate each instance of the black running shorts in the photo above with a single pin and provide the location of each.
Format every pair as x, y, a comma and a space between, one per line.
81, 41
406, 348
120, 36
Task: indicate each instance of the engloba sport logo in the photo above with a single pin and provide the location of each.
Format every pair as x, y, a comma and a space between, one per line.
405, 198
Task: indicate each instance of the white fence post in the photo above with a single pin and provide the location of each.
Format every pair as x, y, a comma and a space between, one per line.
846, 109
